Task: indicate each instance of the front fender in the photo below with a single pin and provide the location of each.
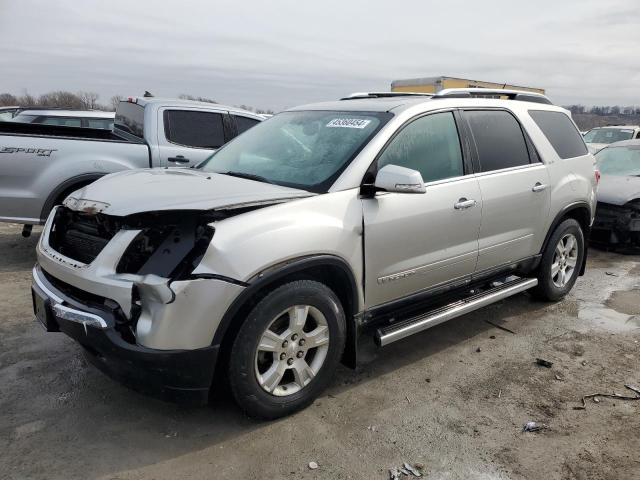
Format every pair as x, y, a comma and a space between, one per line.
253, 242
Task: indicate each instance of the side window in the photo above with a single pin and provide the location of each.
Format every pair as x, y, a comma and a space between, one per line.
561, 133
429, 145
245, 123
498, 138
194, 129
638, 135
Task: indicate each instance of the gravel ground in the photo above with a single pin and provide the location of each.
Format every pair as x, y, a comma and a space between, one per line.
453, 398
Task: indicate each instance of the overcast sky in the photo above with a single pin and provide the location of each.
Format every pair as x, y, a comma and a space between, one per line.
273, 54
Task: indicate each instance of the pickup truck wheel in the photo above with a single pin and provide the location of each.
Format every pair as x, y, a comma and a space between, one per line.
286, 351
561, 261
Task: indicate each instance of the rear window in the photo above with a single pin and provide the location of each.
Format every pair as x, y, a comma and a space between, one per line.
194, 129
130, 118
561, 133
62, 121
499, 139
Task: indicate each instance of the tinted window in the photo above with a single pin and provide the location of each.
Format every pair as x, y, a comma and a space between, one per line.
130, 118
429, 145
194, 129
561, 133
499, 140
245, 123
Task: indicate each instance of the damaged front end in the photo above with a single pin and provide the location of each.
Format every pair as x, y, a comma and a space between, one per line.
617, 226
155, 319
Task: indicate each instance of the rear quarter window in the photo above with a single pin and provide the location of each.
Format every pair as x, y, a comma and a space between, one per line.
561, 133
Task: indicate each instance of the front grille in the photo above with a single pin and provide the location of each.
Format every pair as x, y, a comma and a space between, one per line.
81, 236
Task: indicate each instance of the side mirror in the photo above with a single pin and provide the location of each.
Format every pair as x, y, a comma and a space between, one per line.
393, 178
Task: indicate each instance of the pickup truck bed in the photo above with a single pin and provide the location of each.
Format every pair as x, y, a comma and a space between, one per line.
41, 164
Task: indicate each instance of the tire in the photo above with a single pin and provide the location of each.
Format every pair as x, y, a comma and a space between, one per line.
550, 285
271, 378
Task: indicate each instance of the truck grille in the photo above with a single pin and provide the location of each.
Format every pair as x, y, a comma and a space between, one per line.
80, 236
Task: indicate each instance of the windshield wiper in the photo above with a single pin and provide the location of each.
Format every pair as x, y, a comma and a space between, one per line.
249, 176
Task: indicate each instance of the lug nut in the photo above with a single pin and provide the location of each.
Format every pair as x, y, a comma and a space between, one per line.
290, 361
299, 354
294, 336
284, 344
283, 356
301, 342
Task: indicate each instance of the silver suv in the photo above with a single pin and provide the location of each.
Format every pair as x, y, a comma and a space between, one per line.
378, 215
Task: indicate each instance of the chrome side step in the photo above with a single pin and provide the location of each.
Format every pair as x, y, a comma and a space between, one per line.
386, 335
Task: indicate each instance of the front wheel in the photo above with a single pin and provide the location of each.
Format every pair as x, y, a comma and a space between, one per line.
287, 349
561, 261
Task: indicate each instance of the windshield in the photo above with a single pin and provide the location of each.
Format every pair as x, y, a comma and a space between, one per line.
608, 135
619, 160
305, 149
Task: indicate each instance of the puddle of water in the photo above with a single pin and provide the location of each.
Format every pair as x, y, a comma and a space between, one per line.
607, 318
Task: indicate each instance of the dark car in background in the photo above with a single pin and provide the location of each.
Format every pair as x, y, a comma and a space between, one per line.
617, 223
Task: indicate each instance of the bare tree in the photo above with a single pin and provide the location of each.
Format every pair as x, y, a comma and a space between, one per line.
185, 96
89, 100
113, 101
8, 100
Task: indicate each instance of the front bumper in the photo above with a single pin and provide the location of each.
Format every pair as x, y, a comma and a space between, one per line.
616, 226
182, 376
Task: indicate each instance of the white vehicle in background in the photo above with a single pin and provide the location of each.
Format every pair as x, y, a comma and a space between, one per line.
66, 118
40, 164
599, 137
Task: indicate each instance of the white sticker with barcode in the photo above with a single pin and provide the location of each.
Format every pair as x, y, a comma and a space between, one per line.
348, 123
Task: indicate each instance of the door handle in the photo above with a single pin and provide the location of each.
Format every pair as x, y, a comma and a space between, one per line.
463, 204
178, 159
538, 187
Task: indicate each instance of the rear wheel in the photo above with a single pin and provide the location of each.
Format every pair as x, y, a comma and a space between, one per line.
286, 351
561, 261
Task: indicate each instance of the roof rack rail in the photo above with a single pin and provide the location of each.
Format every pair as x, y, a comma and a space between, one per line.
357, 95
520, 95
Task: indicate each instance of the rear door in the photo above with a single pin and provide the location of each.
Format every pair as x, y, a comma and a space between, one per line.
514, 185
188, 136
417, 241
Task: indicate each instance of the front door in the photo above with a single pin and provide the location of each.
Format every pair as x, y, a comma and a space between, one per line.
416, 241
189, 136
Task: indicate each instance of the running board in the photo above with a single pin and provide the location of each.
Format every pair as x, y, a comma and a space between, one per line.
386, 335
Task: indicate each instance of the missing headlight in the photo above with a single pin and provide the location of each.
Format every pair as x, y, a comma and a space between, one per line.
169, 245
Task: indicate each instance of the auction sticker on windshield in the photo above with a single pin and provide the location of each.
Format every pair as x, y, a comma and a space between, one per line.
348, 123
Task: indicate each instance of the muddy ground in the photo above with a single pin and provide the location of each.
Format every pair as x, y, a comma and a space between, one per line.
454, 398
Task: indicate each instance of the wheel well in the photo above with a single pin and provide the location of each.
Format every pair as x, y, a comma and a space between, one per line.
581, 214
333, 276
61, 192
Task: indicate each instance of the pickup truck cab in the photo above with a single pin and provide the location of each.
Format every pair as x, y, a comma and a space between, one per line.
41, 164
380, 215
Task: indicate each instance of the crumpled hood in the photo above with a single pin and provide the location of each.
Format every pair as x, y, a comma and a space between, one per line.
618, 190
155, 189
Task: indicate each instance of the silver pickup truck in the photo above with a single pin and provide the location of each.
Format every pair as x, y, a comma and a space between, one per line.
41, 164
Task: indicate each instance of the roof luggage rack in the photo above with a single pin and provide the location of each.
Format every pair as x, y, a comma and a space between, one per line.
358, 95
520, 95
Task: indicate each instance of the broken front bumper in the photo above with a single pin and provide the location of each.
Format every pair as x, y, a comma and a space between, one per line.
182, 376
617, 225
